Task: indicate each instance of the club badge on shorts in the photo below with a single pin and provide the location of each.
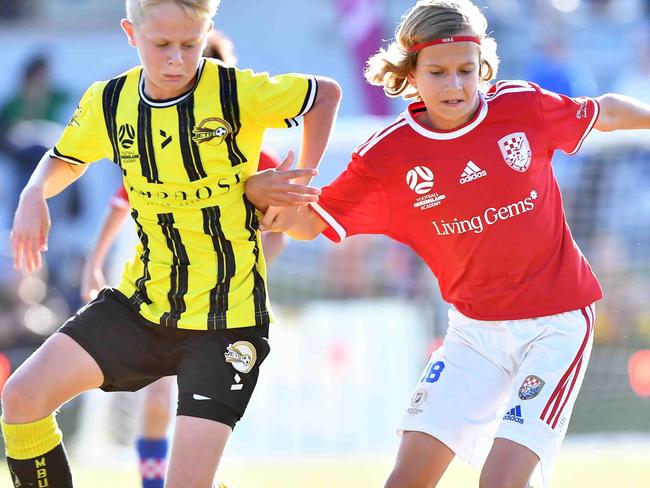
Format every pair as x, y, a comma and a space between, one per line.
531, 387
417, 400
242, 355
516, 151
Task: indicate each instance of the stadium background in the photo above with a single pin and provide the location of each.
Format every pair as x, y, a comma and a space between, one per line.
355, 321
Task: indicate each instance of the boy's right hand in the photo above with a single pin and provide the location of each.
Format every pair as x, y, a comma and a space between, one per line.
275, 187
30, 230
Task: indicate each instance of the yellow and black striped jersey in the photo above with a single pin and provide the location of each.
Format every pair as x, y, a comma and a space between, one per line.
198, 264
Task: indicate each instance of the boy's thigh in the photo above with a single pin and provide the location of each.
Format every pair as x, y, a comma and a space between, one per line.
547, 383
130, 352
57, 371
458, 400
218, 372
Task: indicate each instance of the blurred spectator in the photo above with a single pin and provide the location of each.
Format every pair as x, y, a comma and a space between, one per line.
554, 69
362, 24
29, 119
15, 9
601, 34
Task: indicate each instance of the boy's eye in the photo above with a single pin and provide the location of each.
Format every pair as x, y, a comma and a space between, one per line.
164, 44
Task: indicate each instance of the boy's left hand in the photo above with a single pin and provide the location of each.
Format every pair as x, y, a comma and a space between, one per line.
274, 187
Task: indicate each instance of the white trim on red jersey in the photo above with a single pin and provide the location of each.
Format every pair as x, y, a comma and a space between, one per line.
379, 135
331, 221
506, 90
589, 128
445, 136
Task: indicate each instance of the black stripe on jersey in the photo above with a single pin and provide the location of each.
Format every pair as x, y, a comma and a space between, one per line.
291, 122
225, 268
230, 109
259, 289
307, 103
189, 148
140, 295
145, 144
178, 273
110, 99
68, 159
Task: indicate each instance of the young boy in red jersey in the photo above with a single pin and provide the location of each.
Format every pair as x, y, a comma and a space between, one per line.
186, 133
464, 178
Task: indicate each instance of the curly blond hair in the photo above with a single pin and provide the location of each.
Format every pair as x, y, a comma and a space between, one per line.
424, 22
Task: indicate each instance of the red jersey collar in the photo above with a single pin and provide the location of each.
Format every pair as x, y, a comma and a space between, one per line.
445, 135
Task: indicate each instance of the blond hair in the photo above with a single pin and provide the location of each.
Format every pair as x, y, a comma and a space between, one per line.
198, 9
426, 21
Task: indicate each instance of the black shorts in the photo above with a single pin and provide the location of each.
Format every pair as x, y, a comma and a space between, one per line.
221, 365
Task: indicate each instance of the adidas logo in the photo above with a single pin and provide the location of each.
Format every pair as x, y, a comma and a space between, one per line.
514, 414
471, 173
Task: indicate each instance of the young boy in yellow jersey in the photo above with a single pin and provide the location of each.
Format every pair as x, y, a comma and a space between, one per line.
186, 133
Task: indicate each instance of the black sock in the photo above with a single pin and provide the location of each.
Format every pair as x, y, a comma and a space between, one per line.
51, 470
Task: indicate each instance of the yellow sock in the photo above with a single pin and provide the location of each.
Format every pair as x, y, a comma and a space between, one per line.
27, 441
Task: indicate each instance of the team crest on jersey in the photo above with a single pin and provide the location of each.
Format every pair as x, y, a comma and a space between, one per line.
531, 387
126, 135
417, 400
581, 113
420, 179
242, 355
211, 130
516, 151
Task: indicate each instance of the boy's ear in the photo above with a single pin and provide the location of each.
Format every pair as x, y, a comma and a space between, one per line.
129, 30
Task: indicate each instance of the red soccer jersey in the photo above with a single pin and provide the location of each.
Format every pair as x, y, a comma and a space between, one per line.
479, 204
268, 160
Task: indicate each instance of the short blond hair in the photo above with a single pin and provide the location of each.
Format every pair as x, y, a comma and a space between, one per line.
199, 9
426, 21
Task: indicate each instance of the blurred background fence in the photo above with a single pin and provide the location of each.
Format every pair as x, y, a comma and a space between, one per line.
356, 320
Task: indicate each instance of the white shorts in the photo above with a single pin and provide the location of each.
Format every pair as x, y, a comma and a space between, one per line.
515, 379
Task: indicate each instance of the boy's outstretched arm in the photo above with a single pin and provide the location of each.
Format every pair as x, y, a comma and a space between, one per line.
32, 218
620, 112
285, 187
318, 125
306, 225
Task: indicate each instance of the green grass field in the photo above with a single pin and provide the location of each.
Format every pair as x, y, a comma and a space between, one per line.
577, 468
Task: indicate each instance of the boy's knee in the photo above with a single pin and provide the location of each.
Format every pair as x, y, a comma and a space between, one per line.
19, 403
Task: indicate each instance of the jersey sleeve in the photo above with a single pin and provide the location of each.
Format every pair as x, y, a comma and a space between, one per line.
567, 120
268, 160
354, 203
84, 140
276, 101
120, 198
